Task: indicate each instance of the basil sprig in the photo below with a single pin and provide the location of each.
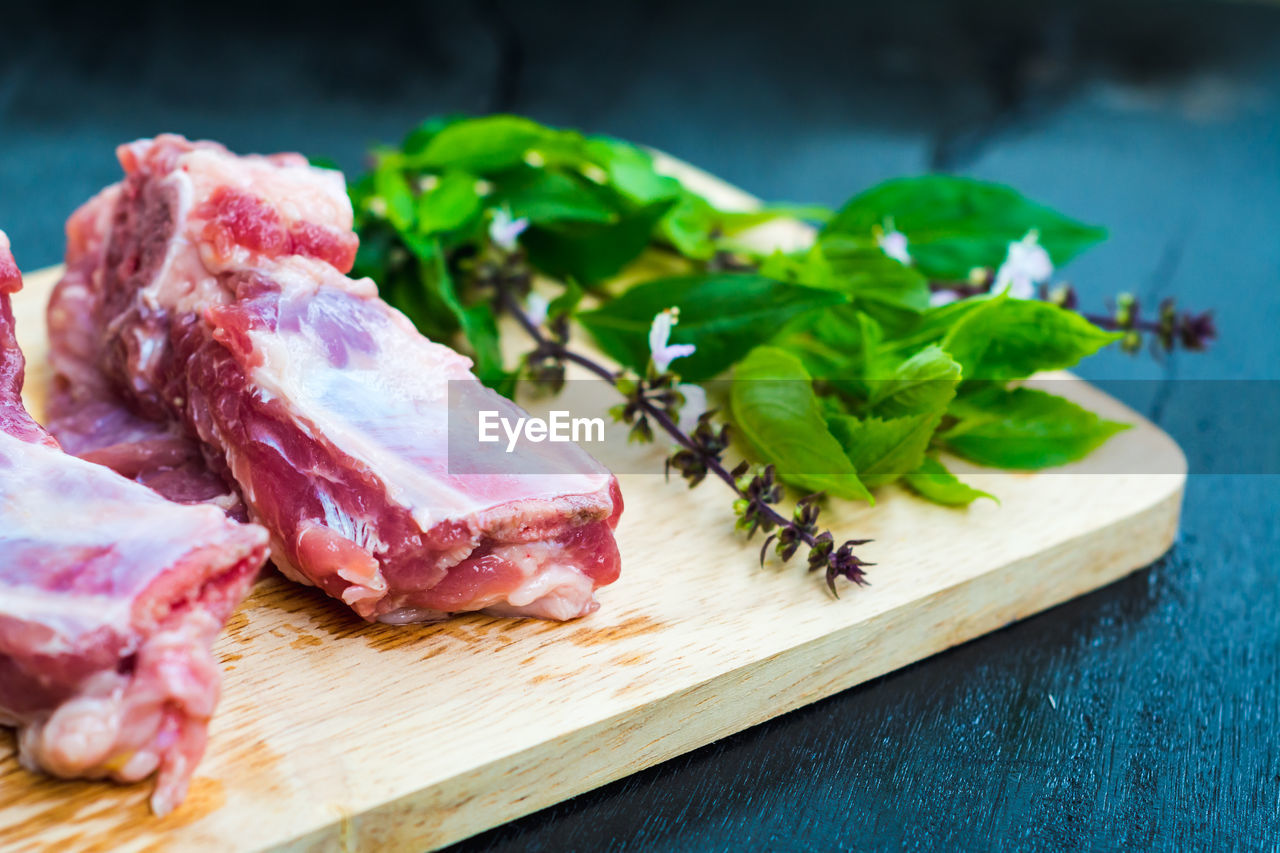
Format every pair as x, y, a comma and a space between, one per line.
846, 376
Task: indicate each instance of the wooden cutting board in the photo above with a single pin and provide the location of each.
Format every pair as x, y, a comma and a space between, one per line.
333, 734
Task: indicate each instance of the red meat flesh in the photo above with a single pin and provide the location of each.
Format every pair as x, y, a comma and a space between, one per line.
110, 599
218, 309
89, 418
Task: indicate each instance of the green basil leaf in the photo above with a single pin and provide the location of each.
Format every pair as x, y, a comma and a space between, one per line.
690, 222
924, 383
826, 364
477, 323
630, 171
1001, 338
890, 292
452, 203
392, 187
841, 347
808, 267
1023, 428
875, 279
884, 450
736, 221
415, 142
855, 332
776, 410
906, 407
934, 482
481, 145
544, 196
566, 303
688, 226
404, 280
953, 224
694, 224
723, 314
591, 252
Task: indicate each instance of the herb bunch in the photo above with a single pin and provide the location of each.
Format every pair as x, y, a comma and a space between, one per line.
901, 333
658, 397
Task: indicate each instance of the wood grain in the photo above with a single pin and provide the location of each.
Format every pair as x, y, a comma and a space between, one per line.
333, 734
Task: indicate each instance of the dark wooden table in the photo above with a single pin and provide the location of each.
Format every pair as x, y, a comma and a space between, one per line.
1160, 121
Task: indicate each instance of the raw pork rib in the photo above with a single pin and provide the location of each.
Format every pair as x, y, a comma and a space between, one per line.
216, 298
87, 415
110, 598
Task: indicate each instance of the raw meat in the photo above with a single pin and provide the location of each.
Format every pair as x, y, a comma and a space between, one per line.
217, 296
110, 599
14, 419
84, 411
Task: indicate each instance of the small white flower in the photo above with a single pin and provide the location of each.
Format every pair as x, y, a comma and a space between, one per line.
503, 230
943, 297
695, 406
659, 334
894, 244
536, 307
1026, 266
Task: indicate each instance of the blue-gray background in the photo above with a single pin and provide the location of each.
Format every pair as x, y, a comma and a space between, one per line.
1159, 120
